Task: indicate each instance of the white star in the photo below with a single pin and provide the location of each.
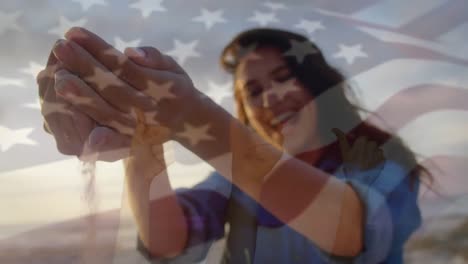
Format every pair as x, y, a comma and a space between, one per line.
300, 50
150, 118
101, 78
350, 53
55, 108
263, 18
120, 44
310, 26
195, 134
281, 89
219, 91
159, 91
33, 69
183, 51
65, 24
9, 21
147, 7
9, 137
275, 6
86, 4
81, 100
210, 18
35, 105
119, 56
11, 82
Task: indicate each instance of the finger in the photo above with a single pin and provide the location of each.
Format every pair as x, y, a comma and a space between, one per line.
344, 145
45, 80
152, 58
357, 151
378, 157
58, 116
106, 144
86, 100
46, 76
114, 60
117, 62
105, 83
369, 154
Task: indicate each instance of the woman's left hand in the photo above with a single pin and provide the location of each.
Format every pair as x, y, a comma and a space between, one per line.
108, 86
364, 154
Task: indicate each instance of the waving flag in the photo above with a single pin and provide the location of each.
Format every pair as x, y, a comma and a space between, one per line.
406, 61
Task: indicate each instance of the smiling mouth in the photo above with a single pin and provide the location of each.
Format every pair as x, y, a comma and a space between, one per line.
280, 121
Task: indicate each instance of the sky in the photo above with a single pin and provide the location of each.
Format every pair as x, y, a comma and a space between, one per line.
385, 47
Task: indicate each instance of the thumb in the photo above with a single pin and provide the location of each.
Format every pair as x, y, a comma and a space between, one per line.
151, 57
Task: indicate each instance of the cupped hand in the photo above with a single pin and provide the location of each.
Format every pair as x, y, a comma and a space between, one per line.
75, 132
69, 126
109, 87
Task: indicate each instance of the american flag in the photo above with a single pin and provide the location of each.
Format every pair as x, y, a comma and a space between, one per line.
407, 61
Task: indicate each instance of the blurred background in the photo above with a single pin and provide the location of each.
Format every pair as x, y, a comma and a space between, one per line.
408, 59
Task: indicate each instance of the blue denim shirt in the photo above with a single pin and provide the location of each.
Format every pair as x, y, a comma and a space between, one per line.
391, 216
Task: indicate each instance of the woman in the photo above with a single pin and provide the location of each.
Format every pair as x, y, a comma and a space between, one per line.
349, 204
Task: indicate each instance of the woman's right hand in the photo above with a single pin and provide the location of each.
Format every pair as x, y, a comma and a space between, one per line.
74, 132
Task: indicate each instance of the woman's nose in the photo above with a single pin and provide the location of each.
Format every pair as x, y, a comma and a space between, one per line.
270, 98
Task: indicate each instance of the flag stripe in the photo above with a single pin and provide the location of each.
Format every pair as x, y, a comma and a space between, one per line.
435, 23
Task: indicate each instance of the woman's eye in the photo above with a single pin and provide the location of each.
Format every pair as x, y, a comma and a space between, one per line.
284, 77
255, 92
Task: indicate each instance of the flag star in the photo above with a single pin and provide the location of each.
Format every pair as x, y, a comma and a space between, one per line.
10, 137
11, 81
55, 108
33, 69
219, 91
195, 134
9, 21
101, 78
310, 26
281, 89
120, 44
263, 18
183, 51
65, 24
159, 91
210, 18
119, 56
86, 4
35, 105
81, 100
147, 7
300, 50
350, 53
275, 6
150, 118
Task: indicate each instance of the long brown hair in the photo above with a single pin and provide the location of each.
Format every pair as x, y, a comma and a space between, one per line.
318, 77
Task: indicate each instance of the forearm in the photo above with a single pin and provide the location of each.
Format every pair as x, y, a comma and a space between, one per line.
311, 201
161, 222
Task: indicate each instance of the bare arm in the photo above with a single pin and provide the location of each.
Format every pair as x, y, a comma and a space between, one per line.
314, 203
161, 223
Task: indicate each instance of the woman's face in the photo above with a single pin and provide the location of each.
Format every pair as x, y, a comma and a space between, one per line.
276, 104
